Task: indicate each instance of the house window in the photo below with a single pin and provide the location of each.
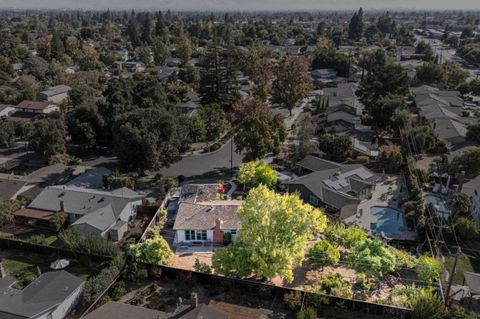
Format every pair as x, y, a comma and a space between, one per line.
233, 232
189, 235
313, 200
201, 235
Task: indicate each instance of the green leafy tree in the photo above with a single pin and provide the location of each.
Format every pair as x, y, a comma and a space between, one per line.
428, 268
275, 230
7, 210
197, 129
468, 161
334, 284
7, 134
355, 28
292, 82
257, 130
336, 147
323, 254
47, 137
347, 237
459, 203
152, 135
467, 229
160, 51
326, 55
154, 250
58, 221
184, 49
424, 48
218, 83
372, 258
383, 78
86, 126
257, 173
214, 119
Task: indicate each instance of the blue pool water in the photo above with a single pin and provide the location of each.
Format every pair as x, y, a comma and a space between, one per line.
439, 203
389, 221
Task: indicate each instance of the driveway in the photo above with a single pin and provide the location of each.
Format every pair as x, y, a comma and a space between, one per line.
215, 163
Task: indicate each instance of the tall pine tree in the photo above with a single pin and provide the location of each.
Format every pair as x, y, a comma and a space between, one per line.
355, 28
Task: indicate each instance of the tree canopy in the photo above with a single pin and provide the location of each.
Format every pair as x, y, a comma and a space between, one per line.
275, 230
371, 257
257, 130
257, 173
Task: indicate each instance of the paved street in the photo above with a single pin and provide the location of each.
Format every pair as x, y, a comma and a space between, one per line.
196, 165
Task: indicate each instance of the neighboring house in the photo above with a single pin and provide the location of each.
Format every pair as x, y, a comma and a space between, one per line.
13, 185
96, 212
6, 110
51, 296
130, 66
326, 77
55, 94
37, 107
335, 186
167, 74
442, 109
118, 310
472, 190
202, 217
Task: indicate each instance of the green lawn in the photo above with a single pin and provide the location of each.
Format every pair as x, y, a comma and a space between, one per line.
468, 262
24, 267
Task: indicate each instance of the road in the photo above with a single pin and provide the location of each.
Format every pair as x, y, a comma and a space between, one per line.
448, 54
215, 163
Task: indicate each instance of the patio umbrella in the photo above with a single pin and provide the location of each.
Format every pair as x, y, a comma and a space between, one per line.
59, 264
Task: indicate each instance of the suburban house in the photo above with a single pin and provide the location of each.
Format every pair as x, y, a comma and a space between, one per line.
195, 310
167, 74
472, 190
343, 116
202, 217
55, 94
6, 110
95, 212
13, 185
326, 77
442, 109
52, 295
37, 107
337, 187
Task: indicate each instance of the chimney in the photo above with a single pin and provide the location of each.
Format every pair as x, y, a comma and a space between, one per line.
62, 206
218, 233
194, 300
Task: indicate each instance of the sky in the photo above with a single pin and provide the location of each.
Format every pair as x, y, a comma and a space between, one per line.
244, 5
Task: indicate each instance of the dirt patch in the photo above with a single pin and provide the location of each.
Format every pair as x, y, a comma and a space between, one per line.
187, 261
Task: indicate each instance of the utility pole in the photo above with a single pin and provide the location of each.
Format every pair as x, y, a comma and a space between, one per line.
454, 269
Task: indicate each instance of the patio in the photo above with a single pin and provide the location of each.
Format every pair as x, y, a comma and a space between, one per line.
183, 249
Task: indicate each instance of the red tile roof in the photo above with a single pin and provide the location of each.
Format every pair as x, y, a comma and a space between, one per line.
33, 105
34, 214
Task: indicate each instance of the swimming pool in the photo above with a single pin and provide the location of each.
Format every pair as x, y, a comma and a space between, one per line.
389, 221
439, 203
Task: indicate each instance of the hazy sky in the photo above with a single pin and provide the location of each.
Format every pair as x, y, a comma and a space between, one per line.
209, 5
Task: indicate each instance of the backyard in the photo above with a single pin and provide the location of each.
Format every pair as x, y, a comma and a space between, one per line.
469, 261
25, 267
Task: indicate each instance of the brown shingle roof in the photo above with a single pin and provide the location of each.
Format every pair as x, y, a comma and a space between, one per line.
32, 105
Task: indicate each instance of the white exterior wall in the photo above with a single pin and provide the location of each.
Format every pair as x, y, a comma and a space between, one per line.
180, 235
51, 109
59, 98
64, 308
129, 210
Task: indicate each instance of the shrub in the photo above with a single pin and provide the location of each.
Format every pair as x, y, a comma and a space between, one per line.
154, 250
404, 259
257, 173
79, 242
58, 220
458, 312
98, 284
307, 313
333, 281
323, 254
118, 290
428, 305
59, 159
371, 257
429, 268
227, 238
38, 239
201, 267
345, 236
293, 299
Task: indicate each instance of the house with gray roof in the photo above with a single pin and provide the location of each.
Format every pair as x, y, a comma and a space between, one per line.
96, 212
52, 295
335, 186
201, 217
442, 109
55, 94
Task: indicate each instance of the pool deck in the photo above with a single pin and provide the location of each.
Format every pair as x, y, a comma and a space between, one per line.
386, 194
